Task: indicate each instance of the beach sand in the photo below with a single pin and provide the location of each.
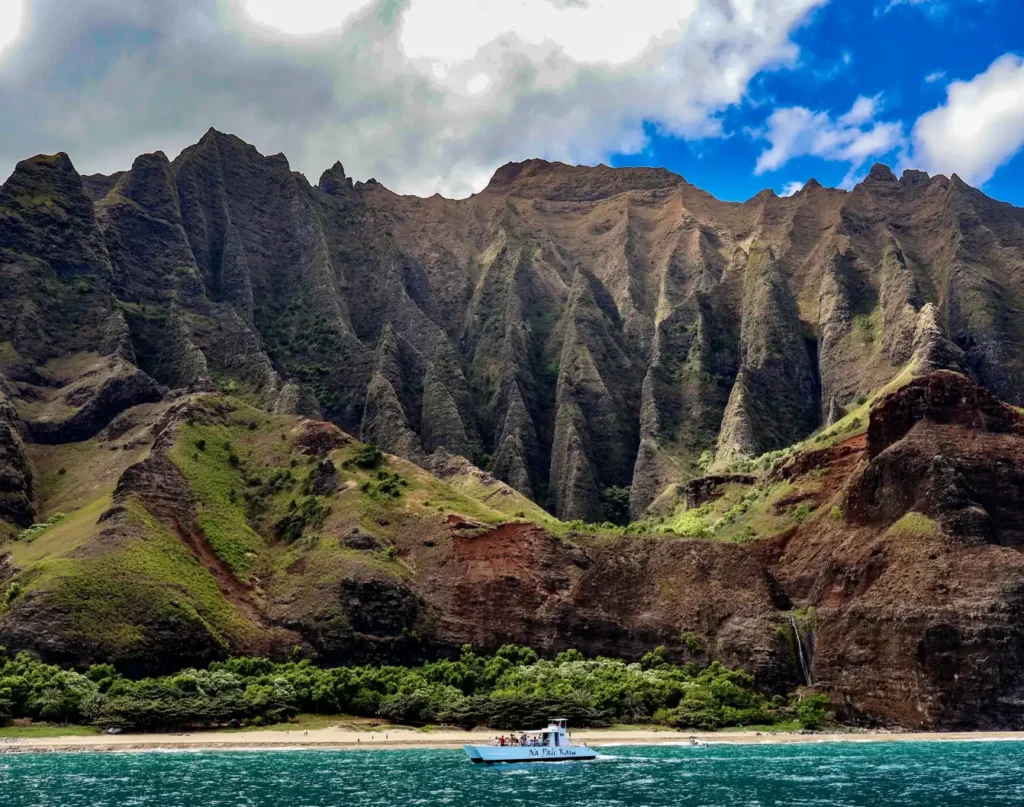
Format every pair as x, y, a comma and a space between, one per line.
343, 738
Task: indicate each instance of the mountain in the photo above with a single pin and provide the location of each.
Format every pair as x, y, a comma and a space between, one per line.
577, 329
805, 405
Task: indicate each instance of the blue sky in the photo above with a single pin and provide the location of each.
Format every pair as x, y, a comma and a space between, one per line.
433, 95
908, 53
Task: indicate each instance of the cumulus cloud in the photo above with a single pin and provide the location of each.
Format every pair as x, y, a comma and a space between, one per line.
980, 127
937, 75
425, 95
852, 138
791, 187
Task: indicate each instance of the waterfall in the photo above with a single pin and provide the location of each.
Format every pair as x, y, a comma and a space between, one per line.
800, 651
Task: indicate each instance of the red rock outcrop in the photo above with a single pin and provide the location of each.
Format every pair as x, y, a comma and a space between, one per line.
918, 586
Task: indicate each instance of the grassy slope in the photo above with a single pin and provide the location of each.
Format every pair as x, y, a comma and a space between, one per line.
244, 480
112, 589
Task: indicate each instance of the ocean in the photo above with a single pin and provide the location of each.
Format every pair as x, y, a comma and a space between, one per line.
833, 774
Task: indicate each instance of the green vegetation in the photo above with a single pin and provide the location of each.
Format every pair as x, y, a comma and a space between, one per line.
112, 596
803, 511
866, 327
214, 475
385, 484
31, 533
7, 598
368, 457
812, 712
914, 524
692, 642
615, 504
309, 511
511, 689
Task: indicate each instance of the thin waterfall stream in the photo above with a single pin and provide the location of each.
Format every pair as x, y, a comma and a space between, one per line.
800, 651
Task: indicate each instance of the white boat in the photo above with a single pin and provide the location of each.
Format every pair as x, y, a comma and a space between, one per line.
547, 745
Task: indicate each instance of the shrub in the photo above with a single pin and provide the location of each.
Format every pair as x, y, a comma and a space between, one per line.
692, 642
654, 659
811, 711
310, 512
802, 511
29, 534
615, 504
368, 457
14, 590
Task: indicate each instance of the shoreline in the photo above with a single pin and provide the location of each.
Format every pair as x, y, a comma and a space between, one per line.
339, 739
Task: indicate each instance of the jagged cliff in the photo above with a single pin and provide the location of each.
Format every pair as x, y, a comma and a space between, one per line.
190, 348
580, 329
637, 307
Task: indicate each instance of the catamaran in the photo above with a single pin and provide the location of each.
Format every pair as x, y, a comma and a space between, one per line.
547, 745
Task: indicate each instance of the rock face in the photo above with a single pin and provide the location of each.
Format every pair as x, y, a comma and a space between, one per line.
595, 437
732, 329
774, 400
917, 463
917, 588
581, 328
85, 405
54, 269
611, 599
15, 473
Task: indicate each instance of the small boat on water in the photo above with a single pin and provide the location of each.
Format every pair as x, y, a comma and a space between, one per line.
547, 745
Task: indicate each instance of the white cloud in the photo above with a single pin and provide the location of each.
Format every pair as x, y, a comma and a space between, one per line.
593, 31
938, 75
425, 95
302, 17
852, 138
935, 8
791, 187
862, 111
11, 14
980, 126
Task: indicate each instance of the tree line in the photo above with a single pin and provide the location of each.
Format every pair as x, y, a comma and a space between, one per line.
511, 689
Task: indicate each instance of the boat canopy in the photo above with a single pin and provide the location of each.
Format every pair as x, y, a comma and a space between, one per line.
555, 723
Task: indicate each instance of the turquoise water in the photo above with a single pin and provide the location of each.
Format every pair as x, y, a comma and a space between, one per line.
891, 774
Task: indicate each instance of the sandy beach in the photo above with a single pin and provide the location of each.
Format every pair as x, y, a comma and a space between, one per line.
405, 738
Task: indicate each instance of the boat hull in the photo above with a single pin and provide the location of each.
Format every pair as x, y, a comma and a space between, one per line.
497, 754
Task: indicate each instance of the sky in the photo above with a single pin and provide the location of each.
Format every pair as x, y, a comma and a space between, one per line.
431, 96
